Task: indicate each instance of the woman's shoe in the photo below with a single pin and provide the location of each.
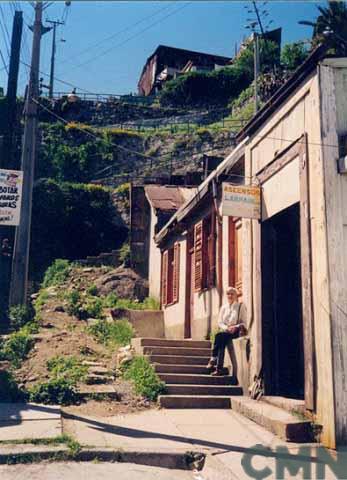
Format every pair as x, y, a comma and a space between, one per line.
212, 364
218, 372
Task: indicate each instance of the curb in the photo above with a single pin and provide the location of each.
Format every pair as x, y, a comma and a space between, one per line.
181, 460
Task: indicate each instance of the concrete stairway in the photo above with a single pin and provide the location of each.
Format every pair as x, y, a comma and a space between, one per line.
181, 364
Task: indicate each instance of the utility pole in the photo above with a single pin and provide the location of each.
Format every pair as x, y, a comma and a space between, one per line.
9, 160
55, 23
20, 265
256, 70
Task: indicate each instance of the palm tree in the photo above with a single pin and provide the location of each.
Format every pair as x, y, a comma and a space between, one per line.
331, 26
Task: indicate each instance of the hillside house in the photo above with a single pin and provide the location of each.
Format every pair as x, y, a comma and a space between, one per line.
167, 63
290, 264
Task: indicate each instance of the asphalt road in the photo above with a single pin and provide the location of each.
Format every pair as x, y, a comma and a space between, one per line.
92, 471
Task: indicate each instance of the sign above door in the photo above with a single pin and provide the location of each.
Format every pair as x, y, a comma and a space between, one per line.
241, 201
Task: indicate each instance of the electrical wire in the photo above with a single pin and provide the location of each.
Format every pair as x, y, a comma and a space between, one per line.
124, 30
121, 44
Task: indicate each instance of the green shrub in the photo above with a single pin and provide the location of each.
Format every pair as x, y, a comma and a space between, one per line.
92, 290
74, 303
118, 333
57, 273
57, 391
67, 368
16, 347
150, 303
112, 301
124, 253
41, 300
19, 315
146, 381
93, 308
9, 390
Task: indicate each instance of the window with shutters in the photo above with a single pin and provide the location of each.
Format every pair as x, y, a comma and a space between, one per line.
205, 253
170, 275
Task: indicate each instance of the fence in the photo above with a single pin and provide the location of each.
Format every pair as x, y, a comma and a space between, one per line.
103, 97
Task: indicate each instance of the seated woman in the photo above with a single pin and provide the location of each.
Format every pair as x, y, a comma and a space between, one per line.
232, 324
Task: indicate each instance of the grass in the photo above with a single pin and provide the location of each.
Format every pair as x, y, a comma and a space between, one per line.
9, 390
16, 347
146, 381
56, 391
57, 273
68, 368
112, 301
115, 334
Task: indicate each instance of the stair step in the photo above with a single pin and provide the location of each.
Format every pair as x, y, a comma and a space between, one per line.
288, 404
175, 389
163, 342
178, 359
280, 422
195, 352
98, 392
99, 371
194, 379
193, 401
188, 369
93, 379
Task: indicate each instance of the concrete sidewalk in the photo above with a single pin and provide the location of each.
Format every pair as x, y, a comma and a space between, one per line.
234, 443
20, 421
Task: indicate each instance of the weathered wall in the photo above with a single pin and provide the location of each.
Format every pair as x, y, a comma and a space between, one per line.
298, 115
333, 90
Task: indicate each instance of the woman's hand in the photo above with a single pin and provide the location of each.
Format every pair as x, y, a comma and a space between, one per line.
233, 329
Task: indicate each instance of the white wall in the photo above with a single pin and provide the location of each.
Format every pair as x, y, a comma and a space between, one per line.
154, 273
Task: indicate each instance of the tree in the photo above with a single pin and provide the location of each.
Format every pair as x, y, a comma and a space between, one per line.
330, 26
293, 55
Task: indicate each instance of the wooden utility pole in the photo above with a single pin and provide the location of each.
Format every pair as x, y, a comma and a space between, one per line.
20, 266
9, 160
256, 70
55, 23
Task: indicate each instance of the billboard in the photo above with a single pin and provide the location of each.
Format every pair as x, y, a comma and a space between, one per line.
241, 201
11, 183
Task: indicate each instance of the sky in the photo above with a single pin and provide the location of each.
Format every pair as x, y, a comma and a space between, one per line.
107, 43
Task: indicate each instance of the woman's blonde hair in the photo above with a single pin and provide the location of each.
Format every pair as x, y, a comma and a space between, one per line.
232, 290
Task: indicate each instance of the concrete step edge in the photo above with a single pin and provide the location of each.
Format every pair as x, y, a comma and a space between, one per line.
277, 420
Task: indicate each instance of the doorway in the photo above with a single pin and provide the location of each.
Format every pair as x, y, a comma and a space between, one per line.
282, 321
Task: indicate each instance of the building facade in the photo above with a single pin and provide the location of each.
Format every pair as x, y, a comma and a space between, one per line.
290, 266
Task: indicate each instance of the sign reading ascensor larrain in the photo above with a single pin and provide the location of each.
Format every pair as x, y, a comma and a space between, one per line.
241, 201
11, 183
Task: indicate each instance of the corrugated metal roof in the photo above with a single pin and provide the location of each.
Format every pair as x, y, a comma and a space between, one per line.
167, 197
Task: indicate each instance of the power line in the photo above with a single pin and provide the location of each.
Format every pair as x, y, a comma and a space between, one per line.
59, 80
129, 27
105, 52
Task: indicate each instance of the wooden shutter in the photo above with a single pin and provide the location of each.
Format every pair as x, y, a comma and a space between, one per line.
176, 272
198, 256
164, 274
212, 251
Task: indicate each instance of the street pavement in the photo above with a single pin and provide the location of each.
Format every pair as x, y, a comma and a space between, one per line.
91, 471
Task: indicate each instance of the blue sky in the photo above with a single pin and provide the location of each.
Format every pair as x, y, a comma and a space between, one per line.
94, 62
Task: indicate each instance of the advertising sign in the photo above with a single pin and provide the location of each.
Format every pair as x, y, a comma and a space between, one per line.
11, 182
241, 201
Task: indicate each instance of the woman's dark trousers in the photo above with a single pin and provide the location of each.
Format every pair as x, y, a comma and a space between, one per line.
220, 342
